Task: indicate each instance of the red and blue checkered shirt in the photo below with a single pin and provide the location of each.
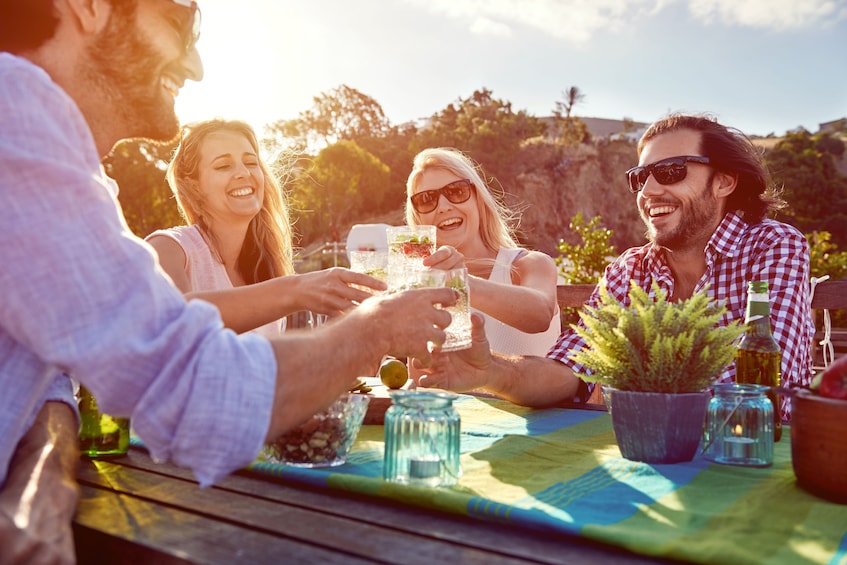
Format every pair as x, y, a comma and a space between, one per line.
736, 254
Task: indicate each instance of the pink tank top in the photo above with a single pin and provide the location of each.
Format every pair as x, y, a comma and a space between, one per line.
204, 270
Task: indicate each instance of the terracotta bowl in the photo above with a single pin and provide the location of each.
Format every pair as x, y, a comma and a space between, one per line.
819, 445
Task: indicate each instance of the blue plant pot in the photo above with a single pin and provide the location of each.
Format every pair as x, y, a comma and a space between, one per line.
658, 427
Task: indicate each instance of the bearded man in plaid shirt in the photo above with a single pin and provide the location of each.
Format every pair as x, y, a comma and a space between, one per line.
704, 193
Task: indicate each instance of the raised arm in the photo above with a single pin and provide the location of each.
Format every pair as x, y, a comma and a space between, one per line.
534, 280
528, 304
247, 307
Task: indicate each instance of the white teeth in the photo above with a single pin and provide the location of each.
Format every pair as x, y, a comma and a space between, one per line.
450, 222
241, 192
661, 210
170, 85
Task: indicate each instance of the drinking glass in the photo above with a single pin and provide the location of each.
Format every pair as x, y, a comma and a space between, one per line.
459, 330
373, 263
407, 247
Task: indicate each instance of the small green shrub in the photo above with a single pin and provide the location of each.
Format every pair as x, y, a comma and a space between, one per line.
656, 346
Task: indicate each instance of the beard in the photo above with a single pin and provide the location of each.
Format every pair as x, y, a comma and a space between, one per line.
126, 69
695, 226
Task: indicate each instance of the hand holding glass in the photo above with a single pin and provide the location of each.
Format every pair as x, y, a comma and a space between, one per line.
459, 330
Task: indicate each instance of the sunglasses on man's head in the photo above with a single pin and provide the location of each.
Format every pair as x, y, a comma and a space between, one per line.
456, 192
191, 33
666, 171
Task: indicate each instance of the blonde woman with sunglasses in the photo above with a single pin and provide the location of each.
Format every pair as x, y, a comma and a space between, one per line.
513, 288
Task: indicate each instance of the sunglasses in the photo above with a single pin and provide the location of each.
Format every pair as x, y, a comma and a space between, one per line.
190, 34
667, 171
456, 192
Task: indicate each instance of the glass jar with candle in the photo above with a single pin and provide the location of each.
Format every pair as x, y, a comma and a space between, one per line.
739, 426
422, 439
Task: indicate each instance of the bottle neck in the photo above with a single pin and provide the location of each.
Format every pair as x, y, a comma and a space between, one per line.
758, 316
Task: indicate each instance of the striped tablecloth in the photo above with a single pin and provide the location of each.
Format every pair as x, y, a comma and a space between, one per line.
560, 470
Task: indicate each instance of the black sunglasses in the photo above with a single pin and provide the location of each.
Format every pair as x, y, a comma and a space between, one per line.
190, 34
666, 171
456, 192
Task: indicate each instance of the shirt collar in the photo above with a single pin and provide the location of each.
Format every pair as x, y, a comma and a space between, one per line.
725, 240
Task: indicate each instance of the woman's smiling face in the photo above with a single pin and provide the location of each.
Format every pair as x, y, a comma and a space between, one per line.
230, 176
456, 223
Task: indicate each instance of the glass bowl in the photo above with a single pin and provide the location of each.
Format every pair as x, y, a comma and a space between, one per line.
325, 439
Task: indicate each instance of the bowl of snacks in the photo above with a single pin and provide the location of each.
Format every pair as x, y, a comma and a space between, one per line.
325, 439
818, 429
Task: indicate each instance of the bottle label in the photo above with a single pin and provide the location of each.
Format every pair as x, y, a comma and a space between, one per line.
758, 296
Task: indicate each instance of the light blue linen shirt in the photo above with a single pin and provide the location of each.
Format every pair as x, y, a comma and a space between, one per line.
80, 294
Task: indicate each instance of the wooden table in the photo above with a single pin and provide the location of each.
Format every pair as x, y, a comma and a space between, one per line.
133, 510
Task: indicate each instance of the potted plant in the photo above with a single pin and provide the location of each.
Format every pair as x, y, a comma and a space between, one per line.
657, 359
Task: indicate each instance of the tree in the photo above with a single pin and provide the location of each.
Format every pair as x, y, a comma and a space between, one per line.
343, 184
816, 192
572, 96
572, 131
138, 166
342, 114
485, 128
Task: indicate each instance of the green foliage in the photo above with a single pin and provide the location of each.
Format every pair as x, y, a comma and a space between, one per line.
826, 259
655, 345
816, 192
484, 127
584, 261
344, 182
342, 114
138, 166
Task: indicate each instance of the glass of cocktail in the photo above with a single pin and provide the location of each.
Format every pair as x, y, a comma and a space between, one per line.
459, 330
407, 247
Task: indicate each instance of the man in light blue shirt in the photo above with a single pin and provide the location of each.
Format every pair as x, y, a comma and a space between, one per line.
82, 296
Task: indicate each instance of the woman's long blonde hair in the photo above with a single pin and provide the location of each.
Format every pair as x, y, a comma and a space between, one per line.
495, 220
267, 249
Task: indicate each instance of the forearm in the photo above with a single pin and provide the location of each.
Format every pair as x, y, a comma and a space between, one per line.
248, 307
50, 445
39, 497
531, 381
525, 308
317, 366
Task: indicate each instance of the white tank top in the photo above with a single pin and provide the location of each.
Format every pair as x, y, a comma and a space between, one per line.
506, 339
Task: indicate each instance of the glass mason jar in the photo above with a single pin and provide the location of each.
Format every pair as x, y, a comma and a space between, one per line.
422, 439
739, 426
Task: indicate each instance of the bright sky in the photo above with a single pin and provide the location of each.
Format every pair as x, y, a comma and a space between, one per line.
760, 65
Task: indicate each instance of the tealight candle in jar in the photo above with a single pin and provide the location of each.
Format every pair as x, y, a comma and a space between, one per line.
737, 446
422, 439
739, 426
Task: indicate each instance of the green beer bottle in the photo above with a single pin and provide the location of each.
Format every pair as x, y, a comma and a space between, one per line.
100, 435
759, 359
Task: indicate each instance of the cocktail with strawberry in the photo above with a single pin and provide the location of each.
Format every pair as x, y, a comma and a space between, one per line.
407, 247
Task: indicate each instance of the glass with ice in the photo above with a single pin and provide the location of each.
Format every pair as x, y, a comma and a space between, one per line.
459, 330
373, 263
407, 247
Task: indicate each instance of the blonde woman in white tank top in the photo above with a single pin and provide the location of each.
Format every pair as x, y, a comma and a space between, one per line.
513, 288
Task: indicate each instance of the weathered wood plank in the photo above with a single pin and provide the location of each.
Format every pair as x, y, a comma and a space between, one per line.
356, 527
